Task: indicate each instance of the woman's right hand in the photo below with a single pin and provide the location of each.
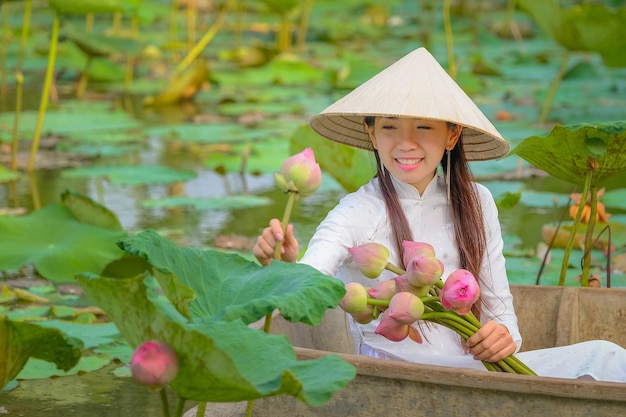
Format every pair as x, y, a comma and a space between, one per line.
265, 246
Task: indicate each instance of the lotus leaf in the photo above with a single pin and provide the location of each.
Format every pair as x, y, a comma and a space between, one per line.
56, 243
20, 341
93, 6
229, 287
583, 27
219, 361
569, 152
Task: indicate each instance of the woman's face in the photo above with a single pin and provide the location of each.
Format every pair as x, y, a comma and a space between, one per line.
411, 149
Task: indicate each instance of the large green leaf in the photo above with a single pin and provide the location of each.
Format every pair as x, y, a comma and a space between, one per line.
229, 287
56, 243
93, 6
87, 211
583, 27
20, 341
349, 166
219, 361
569, 152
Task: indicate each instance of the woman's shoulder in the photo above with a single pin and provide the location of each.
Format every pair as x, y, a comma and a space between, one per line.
366, 200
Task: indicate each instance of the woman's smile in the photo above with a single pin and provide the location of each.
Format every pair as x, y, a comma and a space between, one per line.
408, 163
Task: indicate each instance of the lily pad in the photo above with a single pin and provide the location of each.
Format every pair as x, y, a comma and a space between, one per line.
569, 152
255, 158
132, 175
54, 241
20, 341
583, 27
8, 176
214, 203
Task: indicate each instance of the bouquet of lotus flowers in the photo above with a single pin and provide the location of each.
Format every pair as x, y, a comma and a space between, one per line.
417, 293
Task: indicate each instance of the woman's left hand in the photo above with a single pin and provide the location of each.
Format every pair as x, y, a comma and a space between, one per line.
491, 343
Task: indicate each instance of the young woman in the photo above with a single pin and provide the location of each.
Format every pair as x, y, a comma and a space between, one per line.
415, 118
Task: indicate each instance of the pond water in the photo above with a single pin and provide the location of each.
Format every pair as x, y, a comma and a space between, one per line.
102, 394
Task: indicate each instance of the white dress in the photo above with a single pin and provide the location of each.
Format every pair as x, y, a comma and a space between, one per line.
361, 217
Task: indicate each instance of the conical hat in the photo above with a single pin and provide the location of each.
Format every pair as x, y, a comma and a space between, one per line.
414, 86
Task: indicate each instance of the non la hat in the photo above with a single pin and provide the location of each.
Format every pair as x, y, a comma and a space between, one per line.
414, 86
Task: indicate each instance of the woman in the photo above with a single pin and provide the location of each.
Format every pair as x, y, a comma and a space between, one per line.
415, 118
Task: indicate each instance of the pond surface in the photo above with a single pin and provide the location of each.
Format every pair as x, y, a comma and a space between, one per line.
599, 95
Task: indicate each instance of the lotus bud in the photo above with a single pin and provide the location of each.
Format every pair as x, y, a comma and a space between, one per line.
365, 316
383, 290
299, 173
415, 335
413, 249
154, 364
424, 270
405, 308
403, 285
460, 291
370, 258
355, 299
392, 329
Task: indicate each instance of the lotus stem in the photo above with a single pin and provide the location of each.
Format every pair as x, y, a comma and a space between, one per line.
447, 25
303, 28
395, 269
25, 31
249, 408
553, 88
19, 78
283, 38
204, 41
165, 405
116, 26
584, 279
180, 406
54, 40
572, 235
191, 24
201, 411
175, 6
3, 52
84, 79
89, 20
293, 196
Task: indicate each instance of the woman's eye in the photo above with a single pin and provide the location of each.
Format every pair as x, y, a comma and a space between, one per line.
423, 127
388, 127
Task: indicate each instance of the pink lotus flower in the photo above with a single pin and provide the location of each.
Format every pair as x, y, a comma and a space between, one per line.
413, 249
391, 328
424, 270
405, 308
154, 364
460, 291
370, 258
299, 173
364, 316
384, 290
403, 285
415, 335
355, 299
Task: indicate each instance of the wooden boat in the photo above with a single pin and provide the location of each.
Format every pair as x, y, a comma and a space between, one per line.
548, 316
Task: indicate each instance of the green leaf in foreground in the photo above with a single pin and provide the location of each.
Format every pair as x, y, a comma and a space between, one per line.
229, 287
19, 341
219, 361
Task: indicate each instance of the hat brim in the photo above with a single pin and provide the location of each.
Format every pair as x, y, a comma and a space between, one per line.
415, 86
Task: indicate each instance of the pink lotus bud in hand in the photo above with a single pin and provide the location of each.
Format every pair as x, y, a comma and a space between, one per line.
364, 316
383, 290
154, 364
405, 308
413, 249
403, 284
392, 329
370, 258
424, 270
355, 299
460, 291
299, 173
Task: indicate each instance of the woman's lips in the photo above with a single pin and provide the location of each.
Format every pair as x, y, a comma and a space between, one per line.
408, 163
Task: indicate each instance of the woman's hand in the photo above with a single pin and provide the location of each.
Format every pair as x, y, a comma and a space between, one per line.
265, 245
491, 343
